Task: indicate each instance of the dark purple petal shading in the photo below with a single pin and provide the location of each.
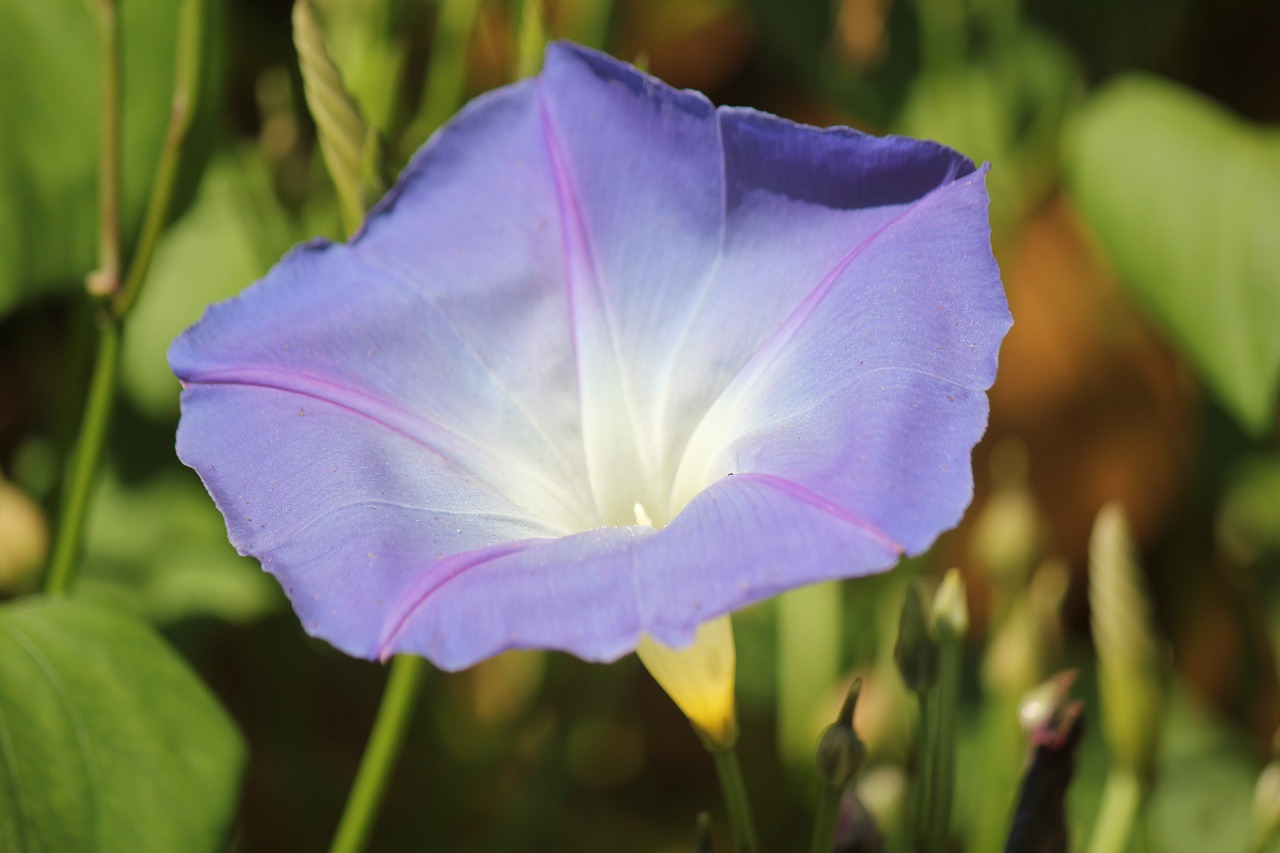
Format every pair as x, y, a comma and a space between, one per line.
591, 291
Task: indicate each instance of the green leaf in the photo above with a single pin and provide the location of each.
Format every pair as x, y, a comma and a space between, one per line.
50, 112
160, 549
1186, 200
108, 741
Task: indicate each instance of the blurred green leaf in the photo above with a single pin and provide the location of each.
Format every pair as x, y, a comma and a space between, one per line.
1186, 200
160, 549
50, 112
108, 741
1006, 110
1201, 799
1249, 516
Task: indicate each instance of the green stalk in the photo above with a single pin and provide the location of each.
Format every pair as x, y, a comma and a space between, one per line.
85, 458
102, 282
808, 664
380, 754
1121, 801
922, 789
736, 802
446, 66
186, 90
105, 281
824, 822
945, 724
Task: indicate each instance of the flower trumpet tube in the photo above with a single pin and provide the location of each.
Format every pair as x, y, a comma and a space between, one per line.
699, 679
607, 362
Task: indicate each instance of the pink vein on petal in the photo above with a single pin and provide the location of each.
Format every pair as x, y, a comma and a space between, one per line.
807, 496
429, 583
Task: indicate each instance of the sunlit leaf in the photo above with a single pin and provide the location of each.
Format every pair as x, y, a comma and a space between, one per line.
108, 741
1186, 200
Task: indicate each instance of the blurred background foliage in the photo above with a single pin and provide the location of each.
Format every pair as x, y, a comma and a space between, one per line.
1136, 215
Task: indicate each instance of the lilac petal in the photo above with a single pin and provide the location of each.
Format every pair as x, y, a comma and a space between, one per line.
878, 370
592, 298
638, 182
594, 593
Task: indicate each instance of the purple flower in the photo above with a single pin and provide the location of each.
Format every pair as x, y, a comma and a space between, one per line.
607, 361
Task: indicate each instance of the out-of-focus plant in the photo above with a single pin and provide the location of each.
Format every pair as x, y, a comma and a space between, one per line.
1183, 197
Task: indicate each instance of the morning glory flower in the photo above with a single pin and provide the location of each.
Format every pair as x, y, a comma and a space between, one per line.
607, 363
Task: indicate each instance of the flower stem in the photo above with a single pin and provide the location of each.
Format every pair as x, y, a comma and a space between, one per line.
944, 708
824, 822
85, 458
186, 89
380, 754
1121, 802
922, 767
446, 66
105, 280
735, 799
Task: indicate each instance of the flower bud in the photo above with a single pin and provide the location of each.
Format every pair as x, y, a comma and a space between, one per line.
841, 752
916, 651
1008, 533
1130, 654
950, 608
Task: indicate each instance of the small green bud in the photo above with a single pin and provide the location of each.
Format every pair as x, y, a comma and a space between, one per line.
1008, 534
951, 608
916, 651
841, 753
1131, 656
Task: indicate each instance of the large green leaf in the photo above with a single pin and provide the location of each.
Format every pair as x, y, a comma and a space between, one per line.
50, 109
107, 740
1186, 200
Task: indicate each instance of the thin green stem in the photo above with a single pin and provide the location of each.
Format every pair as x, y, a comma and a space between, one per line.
736, 802
446, 66
922, 765
945, 724
85, 458
105, 280
1121, 801
380, 754
186, 88
824, 822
